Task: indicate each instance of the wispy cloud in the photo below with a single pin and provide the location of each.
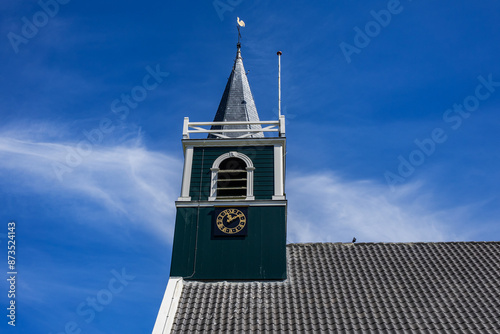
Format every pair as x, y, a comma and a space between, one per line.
126, 179
323, 207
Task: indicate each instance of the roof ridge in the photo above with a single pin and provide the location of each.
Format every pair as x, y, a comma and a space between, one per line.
392, 243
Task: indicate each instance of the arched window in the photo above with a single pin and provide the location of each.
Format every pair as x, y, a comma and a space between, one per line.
232, 177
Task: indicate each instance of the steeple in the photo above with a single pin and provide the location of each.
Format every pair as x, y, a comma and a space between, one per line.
231, 213
237, 104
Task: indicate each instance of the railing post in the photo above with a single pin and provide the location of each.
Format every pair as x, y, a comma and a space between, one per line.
185, 128
282, 126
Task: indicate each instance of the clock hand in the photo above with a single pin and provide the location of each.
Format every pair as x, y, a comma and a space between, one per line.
237, 216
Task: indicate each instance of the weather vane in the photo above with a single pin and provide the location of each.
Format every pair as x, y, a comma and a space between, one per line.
240, 24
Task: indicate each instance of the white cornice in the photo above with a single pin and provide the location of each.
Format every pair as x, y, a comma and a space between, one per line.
193, 204
234, 142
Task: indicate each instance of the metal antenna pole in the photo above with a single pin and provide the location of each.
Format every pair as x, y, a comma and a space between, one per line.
279, 83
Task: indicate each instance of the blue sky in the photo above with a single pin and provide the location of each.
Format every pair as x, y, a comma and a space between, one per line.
392, 126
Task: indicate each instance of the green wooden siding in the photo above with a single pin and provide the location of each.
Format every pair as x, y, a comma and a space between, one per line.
259, 255
204, 157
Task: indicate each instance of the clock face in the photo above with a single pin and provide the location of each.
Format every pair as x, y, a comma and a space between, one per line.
231, 222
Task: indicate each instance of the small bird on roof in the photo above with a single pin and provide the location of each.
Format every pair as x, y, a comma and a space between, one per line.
354, 240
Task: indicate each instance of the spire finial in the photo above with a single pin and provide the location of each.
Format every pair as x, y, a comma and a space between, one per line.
238, 51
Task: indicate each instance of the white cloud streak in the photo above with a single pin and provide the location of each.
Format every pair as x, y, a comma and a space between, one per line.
323, 207
127, 180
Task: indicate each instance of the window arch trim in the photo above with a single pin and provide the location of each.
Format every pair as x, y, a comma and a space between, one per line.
215, 169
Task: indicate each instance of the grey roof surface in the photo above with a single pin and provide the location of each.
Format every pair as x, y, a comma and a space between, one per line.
237, 103
451, 287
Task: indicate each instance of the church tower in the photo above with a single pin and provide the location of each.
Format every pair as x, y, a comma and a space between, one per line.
231, 214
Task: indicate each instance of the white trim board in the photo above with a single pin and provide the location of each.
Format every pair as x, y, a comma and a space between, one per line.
168, 308
279, 173
186, 174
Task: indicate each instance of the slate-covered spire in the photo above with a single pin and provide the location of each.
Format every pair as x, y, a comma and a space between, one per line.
237, 103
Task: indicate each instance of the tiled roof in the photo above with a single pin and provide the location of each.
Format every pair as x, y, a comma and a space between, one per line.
357, 288
237, 103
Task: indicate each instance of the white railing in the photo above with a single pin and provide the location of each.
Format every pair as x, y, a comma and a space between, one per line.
204, 127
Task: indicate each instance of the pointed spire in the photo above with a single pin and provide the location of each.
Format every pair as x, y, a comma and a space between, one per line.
237, 103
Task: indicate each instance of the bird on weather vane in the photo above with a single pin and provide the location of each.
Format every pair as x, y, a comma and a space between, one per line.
240, 24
